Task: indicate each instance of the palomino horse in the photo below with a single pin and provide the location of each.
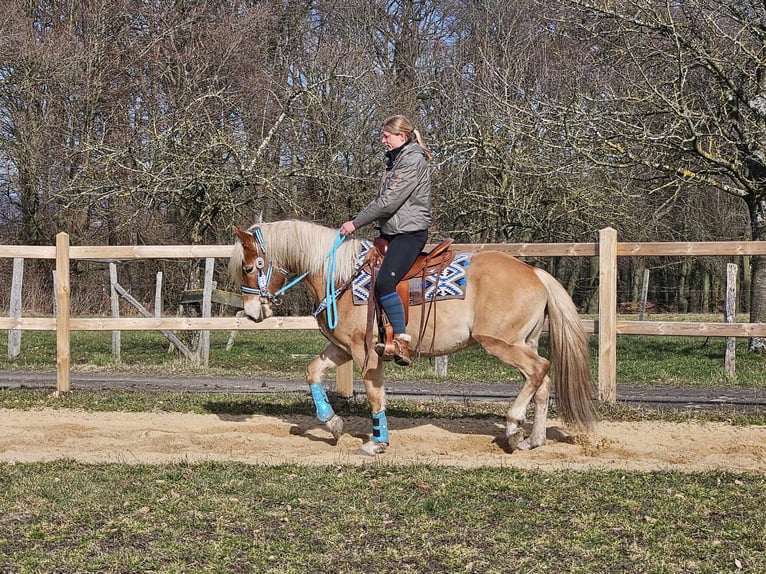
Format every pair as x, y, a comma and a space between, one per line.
504, 308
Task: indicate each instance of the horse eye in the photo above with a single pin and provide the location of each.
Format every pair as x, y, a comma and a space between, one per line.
248, 270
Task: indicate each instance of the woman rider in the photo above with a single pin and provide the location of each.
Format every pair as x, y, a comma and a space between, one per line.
402, 211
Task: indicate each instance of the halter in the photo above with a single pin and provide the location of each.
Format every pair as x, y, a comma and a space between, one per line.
265, 271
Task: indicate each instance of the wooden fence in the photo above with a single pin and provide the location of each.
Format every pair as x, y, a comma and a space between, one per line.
607, 326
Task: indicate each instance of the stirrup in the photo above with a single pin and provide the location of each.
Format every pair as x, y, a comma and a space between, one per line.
402, 352
386, 348
380, 349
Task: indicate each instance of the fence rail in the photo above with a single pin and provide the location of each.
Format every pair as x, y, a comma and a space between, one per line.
606, 326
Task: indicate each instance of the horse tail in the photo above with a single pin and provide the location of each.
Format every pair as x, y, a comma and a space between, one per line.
570, 355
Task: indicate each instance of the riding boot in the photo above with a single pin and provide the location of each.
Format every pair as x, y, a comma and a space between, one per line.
402, 349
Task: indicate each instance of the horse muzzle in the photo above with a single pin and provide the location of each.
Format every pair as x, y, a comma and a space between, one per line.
258, 309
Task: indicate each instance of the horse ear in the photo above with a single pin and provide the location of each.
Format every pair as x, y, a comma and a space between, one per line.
244, 237
260, 217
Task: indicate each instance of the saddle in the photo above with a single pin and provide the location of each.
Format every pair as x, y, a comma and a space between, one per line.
427, 264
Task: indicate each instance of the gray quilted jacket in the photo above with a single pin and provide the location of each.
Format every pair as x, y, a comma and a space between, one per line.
403, 204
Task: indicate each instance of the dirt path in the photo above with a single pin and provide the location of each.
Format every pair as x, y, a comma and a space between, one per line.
153, 438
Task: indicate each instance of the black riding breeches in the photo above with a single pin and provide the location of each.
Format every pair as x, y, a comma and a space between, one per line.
402, 251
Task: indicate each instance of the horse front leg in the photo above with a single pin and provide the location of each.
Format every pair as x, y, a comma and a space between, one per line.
330, 358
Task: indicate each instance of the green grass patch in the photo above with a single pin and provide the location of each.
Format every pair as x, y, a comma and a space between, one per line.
285, 354
70, 517
676, 361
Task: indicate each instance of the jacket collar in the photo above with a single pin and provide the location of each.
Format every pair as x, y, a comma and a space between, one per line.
391, 155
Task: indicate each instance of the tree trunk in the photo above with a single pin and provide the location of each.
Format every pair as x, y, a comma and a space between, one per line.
572, 280
591, 303
758, 275
758, 300
717, 294
746, 284
683, 299
706, 291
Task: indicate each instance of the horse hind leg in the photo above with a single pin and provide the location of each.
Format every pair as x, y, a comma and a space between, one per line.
534, 368
537, 435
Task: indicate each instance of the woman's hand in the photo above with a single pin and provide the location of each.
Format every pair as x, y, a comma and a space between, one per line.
347, 228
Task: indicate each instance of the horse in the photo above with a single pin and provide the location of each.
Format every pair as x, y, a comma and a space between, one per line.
504, 308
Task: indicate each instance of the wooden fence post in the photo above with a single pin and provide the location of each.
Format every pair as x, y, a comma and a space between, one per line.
644, 294
158, 295
115, 300
344, 379
206, 308
730, 317
607, 315
440, 365
63, 357
14, 335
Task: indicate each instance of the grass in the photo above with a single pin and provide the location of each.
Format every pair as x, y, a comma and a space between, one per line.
676, 361
280, 353
69, 517
672, 361
64, 516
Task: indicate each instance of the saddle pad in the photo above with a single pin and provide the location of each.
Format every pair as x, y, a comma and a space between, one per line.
451, 284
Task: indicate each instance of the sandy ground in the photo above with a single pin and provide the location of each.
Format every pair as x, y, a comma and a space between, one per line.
160, 437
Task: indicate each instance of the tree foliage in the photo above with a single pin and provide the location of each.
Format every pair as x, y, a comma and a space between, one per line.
676, 97
128, 121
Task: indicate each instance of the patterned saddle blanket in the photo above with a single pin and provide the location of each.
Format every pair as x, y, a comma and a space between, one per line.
450, 285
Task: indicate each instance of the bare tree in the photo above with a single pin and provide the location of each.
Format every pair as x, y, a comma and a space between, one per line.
676, 93
131, 122
508, 174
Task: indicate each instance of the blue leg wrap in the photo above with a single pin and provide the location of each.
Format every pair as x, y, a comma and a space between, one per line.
324, 409
379, 427
392, 305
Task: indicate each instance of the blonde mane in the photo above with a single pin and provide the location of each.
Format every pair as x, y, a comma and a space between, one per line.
300, 246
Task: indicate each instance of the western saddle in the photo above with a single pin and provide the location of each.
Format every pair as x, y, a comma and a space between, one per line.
427, 264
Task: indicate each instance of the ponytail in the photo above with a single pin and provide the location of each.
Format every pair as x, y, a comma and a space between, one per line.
419, 140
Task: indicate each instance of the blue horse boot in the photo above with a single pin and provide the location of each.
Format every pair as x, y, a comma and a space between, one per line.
324, 410
379, 441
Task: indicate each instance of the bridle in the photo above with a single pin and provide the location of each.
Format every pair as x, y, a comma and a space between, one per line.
265, 272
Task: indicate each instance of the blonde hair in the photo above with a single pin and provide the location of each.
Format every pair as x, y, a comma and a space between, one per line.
400, 125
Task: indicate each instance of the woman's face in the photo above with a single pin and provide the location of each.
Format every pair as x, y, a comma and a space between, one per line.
392, 141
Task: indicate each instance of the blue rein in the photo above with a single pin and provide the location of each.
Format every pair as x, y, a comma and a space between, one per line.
291, 284
330, 295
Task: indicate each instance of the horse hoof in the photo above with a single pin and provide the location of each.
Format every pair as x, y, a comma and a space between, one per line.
528, 443
514, 440
371, 448
335, 425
